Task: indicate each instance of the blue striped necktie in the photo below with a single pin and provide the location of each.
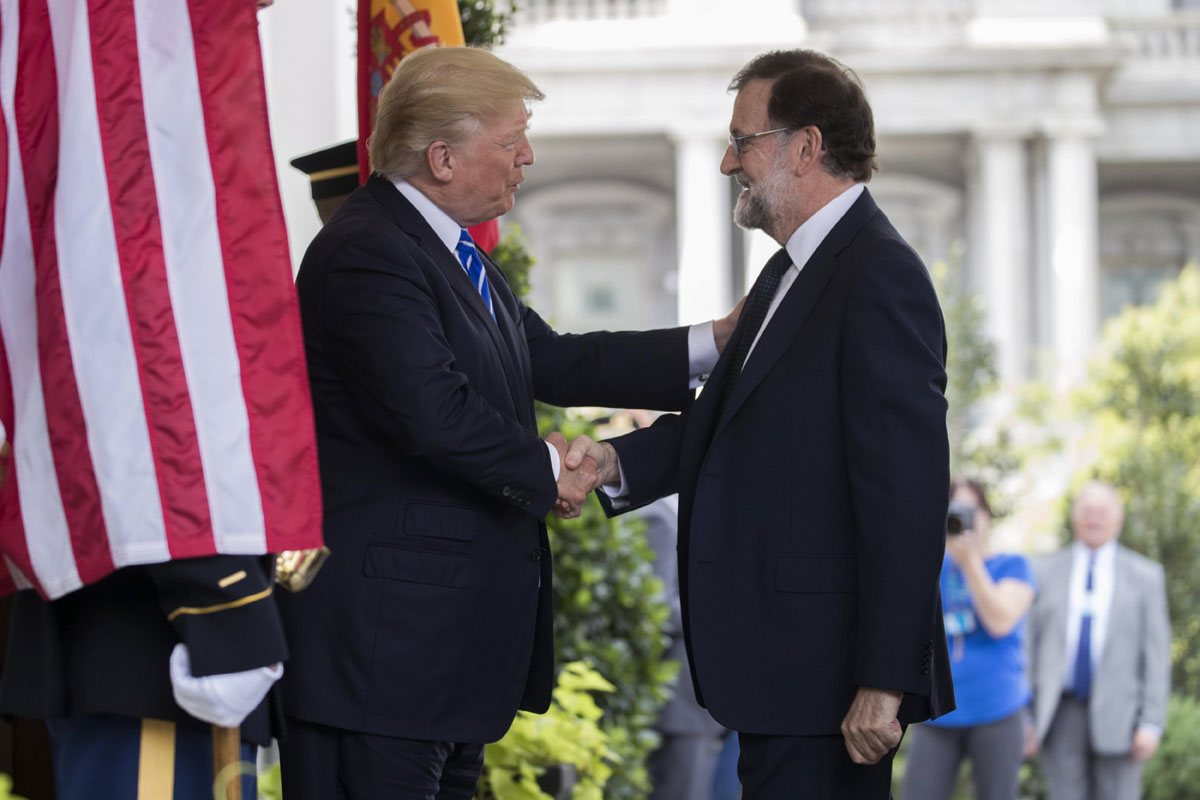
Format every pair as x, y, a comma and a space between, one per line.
468, 256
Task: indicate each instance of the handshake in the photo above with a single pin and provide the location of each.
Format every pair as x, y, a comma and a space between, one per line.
584, 465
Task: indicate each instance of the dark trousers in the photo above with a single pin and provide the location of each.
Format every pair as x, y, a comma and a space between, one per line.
996, 751
106, 757
323, 763
808, 768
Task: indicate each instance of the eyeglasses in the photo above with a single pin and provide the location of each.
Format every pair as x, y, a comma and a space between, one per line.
736, 141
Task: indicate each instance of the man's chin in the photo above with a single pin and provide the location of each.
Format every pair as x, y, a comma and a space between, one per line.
744, 214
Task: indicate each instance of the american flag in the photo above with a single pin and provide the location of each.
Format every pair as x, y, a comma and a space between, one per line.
152, 375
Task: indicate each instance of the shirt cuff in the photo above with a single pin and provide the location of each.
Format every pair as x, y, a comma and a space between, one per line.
618, 493
702, 353
555, 461
1150, 728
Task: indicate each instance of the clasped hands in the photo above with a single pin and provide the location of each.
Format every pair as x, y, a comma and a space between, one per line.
584, 465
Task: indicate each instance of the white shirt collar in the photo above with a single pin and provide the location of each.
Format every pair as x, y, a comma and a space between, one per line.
447, 230
1105, 553
808, 237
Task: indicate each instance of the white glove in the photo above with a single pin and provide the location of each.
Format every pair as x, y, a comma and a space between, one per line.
224, 700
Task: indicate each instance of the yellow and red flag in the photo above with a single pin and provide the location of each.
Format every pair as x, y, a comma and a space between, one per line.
388, 30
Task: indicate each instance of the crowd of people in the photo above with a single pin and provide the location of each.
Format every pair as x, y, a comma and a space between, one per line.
806, 542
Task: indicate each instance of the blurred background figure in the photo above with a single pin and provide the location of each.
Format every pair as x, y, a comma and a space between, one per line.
985, 598
1100, 656
683, 766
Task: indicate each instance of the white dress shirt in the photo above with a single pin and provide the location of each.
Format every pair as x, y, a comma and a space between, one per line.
804, 242
702, 347
1077, 602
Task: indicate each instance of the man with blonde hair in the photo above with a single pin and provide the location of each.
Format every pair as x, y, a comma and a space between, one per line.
431, 624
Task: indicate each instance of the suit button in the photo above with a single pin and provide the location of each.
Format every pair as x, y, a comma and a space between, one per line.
924, 671
535, 554
507, 492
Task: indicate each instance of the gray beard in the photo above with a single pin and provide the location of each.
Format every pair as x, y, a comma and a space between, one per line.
751, 212
759, 204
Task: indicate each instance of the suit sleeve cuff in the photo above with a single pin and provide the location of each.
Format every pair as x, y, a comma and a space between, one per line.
1150, 728
702, 353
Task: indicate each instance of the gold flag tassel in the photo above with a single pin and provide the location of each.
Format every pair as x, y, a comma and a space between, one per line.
295, 569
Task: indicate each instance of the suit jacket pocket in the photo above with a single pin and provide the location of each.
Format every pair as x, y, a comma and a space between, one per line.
417, 566
441, 522
816, 574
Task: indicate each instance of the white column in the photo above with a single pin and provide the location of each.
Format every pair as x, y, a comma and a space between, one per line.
307, 60
1072, 210
999, 246
702, 228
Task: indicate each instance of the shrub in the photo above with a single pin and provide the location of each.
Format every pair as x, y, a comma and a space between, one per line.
6, 789
1143, 398
568, 733
1174, 772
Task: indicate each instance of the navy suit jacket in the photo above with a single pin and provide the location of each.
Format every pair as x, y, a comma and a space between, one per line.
432, 618
813, 506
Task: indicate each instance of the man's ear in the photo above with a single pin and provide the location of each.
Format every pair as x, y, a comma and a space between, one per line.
440, 160
807, 147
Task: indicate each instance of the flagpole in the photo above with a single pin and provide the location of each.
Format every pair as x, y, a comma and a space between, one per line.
227, 760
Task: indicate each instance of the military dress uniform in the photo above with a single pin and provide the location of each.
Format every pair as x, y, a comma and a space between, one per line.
94, 665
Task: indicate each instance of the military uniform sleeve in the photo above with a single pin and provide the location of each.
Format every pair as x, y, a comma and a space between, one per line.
222, 609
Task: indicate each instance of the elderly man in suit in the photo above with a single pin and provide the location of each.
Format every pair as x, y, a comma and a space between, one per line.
1099, 643
431, 623
812, 472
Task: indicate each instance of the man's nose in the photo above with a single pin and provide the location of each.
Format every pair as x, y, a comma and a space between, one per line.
729, 162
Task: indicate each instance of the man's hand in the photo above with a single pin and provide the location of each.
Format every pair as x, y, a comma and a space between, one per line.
723, 328
1145, 744
871, 728
607, 469
574, 482
5, 455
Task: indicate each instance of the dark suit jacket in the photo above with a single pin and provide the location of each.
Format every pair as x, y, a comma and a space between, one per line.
432, 617
104, 649
813, 508
681, 715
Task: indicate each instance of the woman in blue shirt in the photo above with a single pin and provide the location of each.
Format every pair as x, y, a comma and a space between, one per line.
985, 597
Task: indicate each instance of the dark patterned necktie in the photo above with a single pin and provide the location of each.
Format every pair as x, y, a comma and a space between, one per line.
755, 312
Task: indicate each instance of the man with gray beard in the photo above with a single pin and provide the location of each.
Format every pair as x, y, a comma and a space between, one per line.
812, 472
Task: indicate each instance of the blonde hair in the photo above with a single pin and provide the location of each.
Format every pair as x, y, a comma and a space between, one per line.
441, 93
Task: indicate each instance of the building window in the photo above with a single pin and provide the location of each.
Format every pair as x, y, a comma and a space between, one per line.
1145, 240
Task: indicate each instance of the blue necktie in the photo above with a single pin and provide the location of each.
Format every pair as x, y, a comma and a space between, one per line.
1081, 683
468, 256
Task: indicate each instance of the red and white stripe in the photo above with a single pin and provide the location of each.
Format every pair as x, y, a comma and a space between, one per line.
152, 374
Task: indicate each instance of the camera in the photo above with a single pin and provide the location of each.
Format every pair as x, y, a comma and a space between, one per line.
959, 517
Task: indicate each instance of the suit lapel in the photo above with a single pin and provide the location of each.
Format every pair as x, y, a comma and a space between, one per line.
797, 305
1059, 604
412, 223
510, 353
